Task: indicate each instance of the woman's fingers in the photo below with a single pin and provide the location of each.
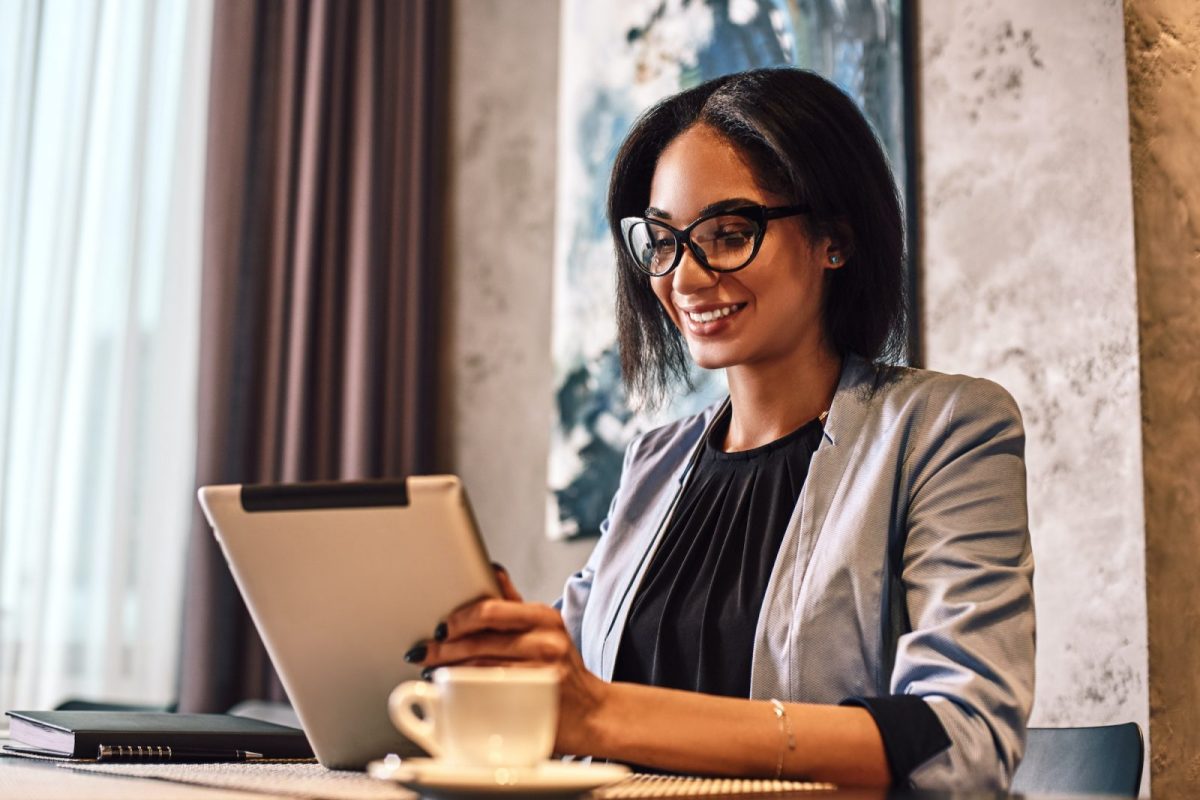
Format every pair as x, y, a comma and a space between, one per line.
540, 646
510, 630
507, 589
497, 615
427, 673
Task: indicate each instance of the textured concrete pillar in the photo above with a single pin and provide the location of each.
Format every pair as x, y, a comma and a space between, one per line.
1028, 275
497, 388
1163, 56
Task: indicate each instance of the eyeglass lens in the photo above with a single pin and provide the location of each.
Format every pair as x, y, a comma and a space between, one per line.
727, 242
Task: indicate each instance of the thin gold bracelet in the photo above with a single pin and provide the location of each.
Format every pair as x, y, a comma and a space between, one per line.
785, 730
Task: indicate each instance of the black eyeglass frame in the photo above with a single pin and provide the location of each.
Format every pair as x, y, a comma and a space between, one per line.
759, 215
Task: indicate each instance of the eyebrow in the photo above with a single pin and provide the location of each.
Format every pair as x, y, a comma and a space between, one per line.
711, 208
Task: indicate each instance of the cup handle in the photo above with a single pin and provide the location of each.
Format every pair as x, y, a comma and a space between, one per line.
400, 707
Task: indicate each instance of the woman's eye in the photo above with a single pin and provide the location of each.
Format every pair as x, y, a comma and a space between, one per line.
732, 236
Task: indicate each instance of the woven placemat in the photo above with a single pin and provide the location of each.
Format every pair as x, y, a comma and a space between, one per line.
645, 786
284, 780
315, 782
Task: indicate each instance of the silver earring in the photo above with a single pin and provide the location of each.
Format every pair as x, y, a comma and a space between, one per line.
835, 260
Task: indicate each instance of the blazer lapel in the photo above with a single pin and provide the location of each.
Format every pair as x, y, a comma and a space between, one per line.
773, 665
664, 511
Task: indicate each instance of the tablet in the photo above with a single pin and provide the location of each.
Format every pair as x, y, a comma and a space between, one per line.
341, 579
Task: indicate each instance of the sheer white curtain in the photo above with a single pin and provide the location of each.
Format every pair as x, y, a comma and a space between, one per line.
102, 121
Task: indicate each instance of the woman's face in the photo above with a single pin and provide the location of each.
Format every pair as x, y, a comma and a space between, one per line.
772, 308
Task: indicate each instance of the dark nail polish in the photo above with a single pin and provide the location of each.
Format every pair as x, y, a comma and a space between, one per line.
417, 654
427, 673
440, 632
498, 567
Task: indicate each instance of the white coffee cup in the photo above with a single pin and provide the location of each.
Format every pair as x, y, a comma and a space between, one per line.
481, 716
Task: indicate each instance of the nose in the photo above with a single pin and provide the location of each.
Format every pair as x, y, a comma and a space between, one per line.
690, 276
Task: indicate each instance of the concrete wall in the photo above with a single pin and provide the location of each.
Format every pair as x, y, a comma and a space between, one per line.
1163, 51
497, 384
1029, 280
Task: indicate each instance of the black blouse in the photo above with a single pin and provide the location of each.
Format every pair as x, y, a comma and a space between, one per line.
691, 625
692, 622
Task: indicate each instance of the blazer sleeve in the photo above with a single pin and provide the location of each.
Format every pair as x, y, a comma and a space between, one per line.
968, 579
578, 588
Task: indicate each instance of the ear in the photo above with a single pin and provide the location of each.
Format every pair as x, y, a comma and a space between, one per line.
838, 245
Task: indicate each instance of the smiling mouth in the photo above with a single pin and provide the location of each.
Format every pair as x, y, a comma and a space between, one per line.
714, 314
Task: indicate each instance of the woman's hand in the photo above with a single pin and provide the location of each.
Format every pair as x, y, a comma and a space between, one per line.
508, 631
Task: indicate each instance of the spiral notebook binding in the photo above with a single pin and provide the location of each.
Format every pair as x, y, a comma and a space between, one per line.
134, 752
160, 753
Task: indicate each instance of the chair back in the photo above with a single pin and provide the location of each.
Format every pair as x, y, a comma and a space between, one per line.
1101, 760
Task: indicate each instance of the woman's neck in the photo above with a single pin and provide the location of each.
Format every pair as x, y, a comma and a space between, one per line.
770, 400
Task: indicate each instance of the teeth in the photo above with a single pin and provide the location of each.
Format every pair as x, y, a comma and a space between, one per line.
709, 316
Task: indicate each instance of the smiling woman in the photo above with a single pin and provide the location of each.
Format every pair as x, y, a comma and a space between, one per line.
828, 574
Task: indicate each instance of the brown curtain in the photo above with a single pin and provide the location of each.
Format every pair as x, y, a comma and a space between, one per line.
320, 240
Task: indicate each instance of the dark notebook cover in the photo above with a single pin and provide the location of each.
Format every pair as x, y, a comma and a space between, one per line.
79, 734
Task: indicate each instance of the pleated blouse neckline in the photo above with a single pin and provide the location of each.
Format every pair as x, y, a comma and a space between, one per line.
692, 622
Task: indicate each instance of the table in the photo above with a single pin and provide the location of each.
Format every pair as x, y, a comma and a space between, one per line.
28, 778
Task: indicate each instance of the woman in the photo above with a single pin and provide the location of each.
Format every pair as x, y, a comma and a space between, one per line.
827, 575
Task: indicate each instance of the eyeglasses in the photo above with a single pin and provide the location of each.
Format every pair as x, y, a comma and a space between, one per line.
723, 241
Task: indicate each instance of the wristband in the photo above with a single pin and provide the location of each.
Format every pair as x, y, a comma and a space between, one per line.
785, 730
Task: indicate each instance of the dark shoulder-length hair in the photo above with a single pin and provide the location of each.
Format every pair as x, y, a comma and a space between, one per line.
805, 141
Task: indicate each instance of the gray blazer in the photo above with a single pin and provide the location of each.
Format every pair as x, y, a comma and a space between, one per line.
905, 569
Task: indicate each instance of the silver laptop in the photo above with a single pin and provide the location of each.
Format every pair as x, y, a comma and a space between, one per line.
341, 580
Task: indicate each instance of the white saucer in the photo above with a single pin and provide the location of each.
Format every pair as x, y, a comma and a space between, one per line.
440, 779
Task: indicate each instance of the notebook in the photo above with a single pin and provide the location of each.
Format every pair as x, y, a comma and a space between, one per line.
151, 736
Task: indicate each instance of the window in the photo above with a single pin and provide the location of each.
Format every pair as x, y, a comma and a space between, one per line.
102, 137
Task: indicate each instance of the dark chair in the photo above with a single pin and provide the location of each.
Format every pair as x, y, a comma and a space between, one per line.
1102, 760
